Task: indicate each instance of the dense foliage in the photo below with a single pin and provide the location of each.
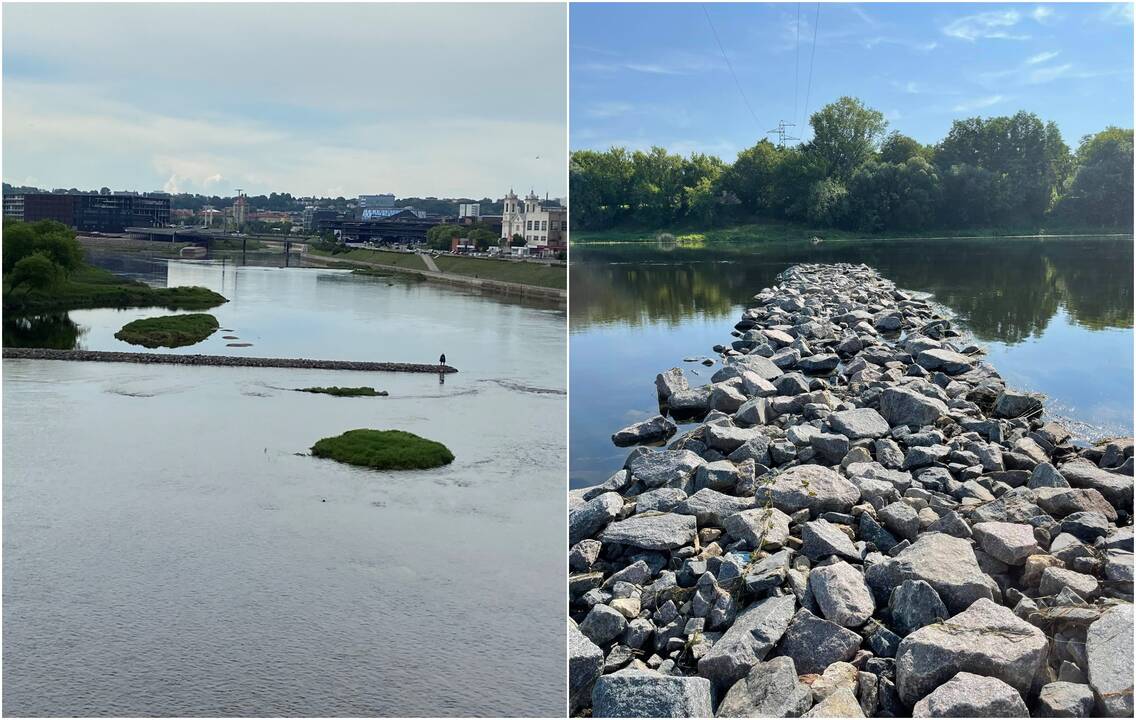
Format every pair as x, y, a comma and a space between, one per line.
999, 172
440, 237
384, 450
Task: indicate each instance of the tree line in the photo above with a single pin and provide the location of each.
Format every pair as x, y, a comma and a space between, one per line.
998, 172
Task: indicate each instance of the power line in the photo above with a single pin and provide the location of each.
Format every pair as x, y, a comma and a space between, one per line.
797, 68
812, 57
731, 67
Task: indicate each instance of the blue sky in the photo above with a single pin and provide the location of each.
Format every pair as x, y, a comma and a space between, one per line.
326, 99
653, 74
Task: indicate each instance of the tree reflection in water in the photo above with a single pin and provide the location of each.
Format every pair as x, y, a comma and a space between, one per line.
55, 330
1005, 289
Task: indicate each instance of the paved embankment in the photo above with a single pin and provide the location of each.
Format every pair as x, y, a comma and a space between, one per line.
496, 286
863, 521
218, 360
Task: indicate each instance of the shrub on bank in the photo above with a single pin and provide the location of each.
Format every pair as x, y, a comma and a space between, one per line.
384, 450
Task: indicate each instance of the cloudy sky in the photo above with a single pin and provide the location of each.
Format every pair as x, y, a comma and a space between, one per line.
430, 99
647, 74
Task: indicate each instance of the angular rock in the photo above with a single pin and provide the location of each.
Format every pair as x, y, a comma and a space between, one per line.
946, 563
755, 632
656, 429
815, 643
842, 594
903, 406
593, 516
985, 639
859, 423
822, 538
1065, 700
811, 486
669, 382
1010, 543
663, 531
970, 695
759, 527
840, 704
656, 468
603, 624
914, 604
771, 689
711, 506
585, 663
641, 693
1014, 404
1108, 646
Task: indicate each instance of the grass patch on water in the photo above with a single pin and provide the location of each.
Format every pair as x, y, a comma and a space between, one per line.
345, 391
169, 330
384, 450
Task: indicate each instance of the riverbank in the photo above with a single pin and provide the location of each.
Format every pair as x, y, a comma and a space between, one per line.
496, 276
218, 360
853, 477
773, 232
91, 287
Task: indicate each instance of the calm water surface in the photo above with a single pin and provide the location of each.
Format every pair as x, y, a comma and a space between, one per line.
170, 550
1055, 315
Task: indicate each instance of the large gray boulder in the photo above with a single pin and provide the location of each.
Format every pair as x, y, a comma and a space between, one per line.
859, 423
642, 693
822, 538
585, 663
840, 704
952, 363
842, 594
970, 695
913, 604
904, 406
754, 633
603, 624
711, 506
758, 528
771, 689
985, 639
815, 643
817, 488
1109, 649
946, 563
1116, 488
593, 516
669, 382
656, 468
1010, 543
762, 366
655, 429
1015, 404
653, 531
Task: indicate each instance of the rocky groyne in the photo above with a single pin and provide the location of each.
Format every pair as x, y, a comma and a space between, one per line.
865, 521
218, 360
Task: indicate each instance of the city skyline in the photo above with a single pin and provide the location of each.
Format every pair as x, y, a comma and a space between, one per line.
717, 78
313, 103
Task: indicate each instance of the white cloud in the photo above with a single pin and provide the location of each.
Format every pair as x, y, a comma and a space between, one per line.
978, 103
1041, 57
993, 24
348, 96
1118, 13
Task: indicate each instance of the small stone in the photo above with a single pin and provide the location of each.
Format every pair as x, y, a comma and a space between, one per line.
840, 704
1053, 579
815, 643
593, 516
841, 594
822, 538
1065, 700
771, 689
1010, 543
914, 604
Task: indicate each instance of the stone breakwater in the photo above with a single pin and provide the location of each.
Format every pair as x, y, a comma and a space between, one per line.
218, 360
865, 522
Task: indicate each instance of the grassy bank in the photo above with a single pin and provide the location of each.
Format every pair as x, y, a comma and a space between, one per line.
169, 330
510, 271
345, 391
384, 450
91, 287
409, 261
525, 273
771, 231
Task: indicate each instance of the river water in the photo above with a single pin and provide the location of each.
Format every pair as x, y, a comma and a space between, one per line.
170, 549
1054, 313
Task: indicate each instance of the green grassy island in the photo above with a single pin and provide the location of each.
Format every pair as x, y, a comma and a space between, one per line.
384, 450
44, 271
345, 391
169, 330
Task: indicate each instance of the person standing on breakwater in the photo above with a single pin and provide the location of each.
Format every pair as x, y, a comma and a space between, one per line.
442, 362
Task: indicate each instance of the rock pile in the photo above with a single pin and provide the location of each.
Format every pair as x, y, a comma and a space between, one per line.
865, 521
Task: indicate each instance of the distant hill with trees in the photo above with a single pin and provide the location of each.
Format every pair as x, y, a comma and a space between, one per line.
998, 172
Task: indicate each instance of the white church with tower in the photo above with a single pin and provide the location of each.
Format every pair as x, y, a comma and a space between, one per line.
544, 228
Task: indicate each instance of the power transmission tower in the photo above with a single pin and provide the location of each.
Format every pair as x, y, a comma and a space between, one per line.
781, 131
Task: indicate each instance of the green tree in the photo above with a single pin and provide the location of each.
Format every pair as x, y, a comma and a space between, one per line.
753, 177
897, 148
1100, 192
827, 202
36, 272
846, 133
